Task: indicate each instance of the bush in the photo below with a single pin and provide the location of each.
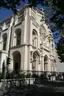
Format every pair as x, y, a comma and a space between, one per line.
43, 78
34, 75
21, 75
14, 75
28, 75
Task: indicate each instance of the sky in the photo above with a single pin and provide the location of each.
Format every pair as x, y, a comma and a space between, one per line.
60, 66
4, 13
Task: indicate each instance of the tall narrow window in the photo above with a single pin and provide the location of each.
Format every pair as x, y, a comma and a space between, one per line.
4, 41
45, 63
34, 38
18, 36
35, 60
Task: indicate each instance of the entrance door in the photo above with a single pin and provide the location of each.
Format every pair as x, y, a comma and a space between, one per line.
16, 61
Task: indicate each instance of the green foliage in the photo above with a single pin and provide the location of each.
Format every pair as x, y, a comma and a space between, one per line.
28, 75
36, 2
58, 16
14, 75
56, 5
60, 49
10, 4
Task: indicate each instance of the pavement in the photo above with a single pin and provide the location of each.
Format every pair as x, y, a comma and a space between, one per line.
36, 90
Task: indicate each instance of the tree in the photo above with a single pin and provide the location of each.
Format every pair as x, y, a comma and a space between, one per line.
60, 49
10, 4
58, 13
57, 7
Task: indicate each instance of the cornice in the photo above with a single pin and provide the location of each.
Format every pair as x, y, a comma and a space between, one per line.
18, 46
17, 24
5, 29
2, 51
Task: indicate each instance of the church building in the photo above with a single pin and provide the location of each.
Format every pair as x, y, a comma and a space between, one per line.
27, 40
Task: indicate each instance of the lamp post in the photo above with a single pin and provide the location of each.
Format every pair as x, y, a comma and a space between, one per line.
4, 74
7, 60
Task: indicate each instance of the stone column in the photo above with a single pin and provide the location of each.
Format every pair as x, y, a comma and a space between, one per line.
49, 64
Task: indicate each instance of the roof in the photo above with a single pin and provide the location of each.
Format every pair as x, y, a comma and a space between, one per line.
25, 6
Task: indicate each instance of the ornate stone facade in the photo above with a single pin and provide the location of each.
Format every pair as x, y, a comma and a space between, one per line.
25, 39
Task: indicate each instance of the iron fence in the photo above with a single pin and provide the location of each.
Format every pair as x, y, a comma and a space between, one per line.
24, 79
25, 74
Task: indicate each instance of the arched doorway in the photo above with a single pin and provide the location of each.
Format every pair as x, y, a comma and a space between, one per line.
16, 61
45, 63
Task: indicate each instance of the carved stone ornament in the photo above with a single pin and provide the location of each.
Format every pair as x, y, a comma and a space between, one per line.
42, 32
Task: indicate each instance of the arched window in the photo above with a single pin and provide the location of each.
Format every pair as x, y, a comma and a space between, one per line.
34, 38
45, 63
35, 63
4, 41
18, 36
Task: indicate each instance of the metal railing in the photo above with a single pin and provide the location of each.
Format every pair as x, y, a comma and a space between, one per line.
32, 74
23, 79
